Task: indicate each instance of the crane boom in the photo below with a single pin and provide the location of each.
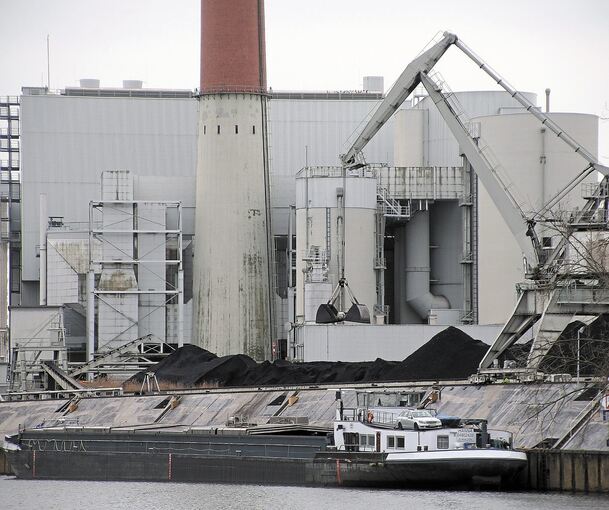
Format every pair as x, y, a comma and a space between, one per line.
521, 226
532, 109
507, 205
403, 87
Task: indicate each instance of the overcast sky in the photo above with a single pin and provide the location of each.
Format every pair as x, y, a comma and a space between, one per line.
319, 44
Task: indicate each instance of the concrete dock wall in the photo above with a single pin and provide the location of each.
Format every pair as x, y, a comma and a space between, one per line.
4, 467
568, 470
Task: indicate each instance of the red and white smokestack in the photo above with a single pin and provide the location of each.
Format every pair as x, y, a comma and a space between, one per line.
232, 310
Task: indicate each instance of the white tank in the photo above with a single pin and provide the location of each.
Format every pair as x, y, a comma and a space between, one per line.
536, 165
441, 148
232, 310
89, 83
409, 136
374, 84
132, 84
318, 220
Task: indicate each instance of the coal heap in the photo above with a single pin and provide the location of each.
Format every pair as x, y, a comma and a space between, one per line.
562, 357
451, 354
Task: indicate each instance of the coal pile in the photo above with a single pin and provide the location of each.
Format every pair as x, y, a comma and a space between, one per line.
451, 354
563, 356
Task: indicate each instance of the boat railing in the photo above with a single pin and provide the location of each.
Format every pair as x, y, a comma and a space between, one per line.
370, 416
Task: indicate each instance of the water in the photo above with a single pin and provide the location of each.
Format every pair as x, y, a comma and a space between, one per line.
43, 495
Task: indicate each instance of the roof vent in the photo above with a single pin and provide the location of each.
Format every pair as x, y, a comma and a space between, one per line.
374, 84
89, 83
132, 84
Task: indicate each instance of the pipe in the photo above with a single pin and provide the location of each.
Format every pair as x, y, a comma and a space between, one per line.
180, 308
418, 294
90, 314
44, 222
547, 100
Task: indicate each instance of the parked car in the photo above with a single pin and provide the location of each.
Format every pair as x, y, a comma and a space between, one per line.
417, 419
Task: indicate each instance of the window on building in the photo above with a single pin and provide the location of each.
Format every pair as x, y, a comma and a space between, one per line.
253, 130
390, 441
218, 129
236, 129
442, 442
400, 442
204, 130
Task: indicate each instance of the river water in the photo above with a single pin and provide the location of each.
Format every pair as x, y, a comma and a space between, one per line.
64, 495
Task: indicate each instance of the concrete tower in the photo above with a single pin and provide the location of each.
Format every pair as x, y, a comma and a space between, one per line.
232, 299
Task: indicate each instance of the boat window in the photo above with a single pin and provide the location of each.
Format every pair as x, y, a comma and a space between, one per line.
366, 440
421, 414
390, 441
442, 442
400, 441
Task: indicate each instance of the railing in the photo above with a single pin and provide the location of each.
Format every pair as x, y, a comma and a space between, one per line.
337, 171
60, 394
594, 190
361, 414
422, 183
9, 100
389, 206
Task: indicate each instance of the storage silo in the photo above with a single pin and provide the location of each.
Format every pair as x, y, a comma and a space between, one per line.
536, 165
322, 194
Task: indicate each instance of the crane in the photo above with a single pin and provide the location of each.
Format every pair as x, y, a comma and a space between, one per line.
546, 299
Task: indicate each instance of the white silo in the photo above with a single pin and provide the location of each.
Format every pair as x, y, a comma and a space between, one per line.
536, 165
320, 195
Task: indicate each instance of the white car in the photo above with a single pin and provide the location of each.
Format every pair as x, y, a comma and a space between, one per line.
417, 419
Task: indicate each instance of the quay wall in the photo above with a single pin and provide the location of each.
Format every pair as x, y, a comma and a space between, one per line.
5, 469
568, 471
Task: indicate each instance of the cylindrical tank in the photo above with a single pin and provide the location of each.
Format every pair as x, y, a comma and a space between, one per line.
409, 134
231, 272
132, 84
441, 147
374, 84
536, 165
232, 45
89, 83
319, 192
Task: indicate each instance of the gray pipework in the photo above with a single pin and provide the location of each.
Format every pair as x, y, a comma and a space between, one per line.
418, 269
44, 222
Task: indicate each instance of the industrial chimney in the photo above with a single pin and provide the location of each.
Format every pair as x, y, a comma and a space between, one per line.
232, 298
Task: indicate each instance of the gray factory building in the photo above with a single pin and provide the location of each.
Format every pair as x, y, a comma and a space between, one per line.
68, 139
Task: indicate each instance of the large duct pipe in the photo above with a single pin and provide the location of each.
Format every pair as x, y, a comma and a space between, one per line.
418, 269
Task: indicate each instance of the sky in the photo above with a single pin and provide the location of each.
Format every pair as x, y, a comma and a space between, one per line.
319, 45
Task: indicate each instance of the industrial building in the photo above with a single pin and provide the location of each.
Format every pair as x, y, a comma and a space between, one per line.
224, 217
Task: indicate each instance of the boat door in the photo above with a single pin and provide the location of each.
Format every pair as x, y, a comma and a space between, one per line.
351, 440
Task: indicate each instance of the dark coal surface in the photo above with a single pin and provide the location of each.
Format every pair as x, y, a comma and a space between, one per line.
451, 354
562, 357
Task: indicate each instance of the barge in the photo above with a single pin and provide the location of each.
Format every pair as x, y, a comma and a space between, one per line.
365, 447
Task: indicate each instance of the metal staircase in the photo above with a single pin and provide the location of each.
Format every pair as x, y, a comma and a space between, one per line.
390, 207
109, 356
